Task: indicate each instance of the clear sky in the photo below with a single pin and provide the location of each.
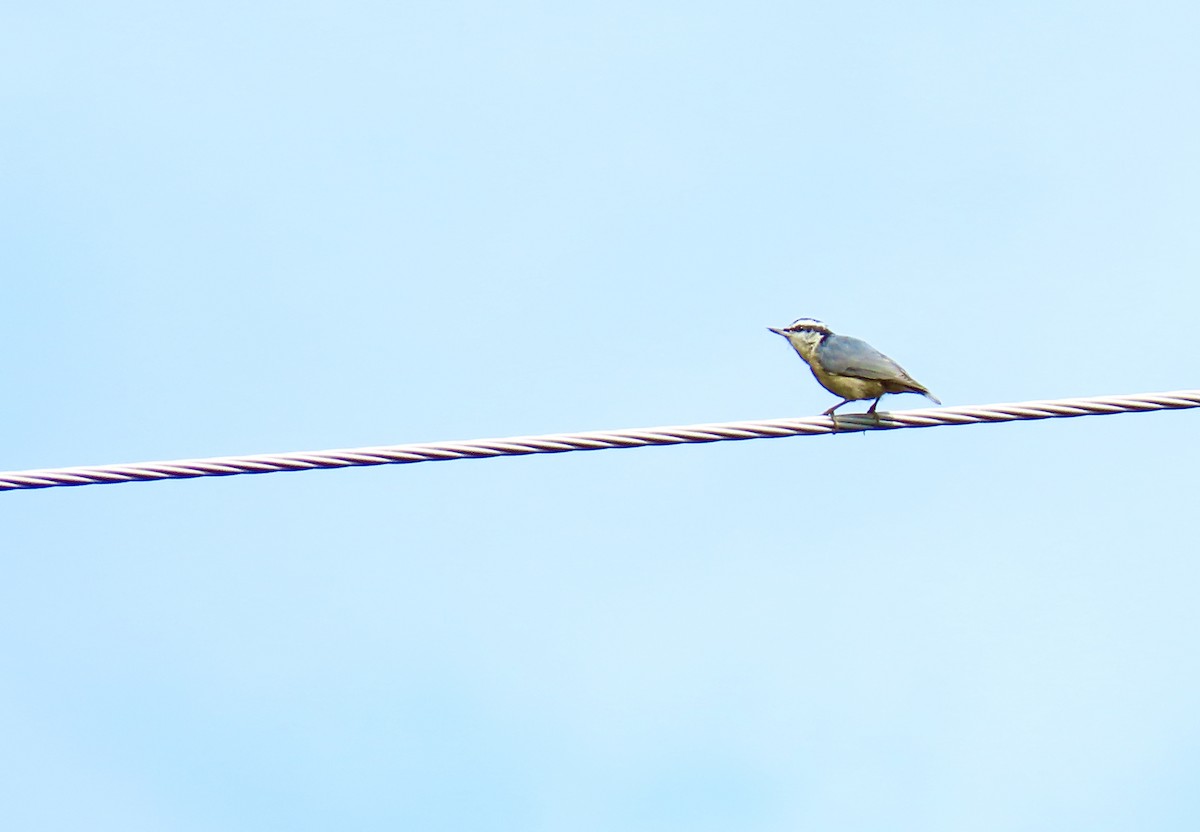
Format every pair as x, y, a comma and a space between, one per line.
234, 228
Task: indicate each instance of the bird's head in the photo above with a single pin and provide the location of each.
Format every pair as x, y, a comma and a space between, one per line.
804, 334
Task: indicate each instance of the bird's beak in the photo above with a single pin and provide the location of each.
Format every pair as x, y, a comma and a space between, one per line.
777, 331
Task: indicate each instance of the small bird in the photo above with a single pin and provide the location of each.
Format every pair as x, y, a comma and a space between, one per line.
848, 367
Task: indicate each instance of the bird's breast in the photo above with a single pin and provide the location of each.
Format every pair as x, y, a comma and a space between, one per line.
847, 387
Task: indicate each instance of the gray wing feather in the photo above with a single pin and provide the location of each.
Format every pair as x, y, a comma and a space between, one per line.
848, 356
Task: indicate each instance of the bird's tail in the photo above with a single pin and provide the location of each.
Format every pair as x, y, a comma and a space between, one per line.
911, 385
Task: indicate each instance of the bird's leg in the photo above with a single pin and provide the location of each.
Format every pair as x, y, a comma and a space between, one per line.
871, 409
833, 416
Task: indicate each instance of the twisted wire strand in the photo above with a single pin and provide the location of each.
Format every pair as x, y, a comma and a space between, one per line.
596, 440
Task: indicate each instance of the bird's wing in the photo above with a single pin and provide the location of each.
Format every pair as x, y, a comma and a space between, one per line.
848, 356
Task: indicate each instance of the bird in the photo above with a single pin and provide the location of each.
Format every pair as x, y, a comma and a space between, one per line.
848, 367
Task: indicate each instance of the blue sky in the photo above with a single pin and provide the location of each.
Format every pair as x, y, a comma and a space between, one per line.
238, 228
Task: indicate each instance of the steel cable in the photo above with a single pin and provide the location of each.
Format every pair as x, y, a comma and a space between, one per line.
595, 440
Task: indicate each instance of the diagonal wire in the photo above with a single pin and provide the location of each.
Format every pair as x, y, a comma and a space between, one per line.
595, 440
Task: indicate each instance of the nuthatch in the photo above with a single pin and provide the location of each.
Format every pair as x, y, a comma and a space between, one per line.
848, 367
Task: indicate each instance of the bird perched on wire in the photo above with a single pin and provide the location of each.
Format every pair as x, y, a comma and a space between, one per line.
848, 367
